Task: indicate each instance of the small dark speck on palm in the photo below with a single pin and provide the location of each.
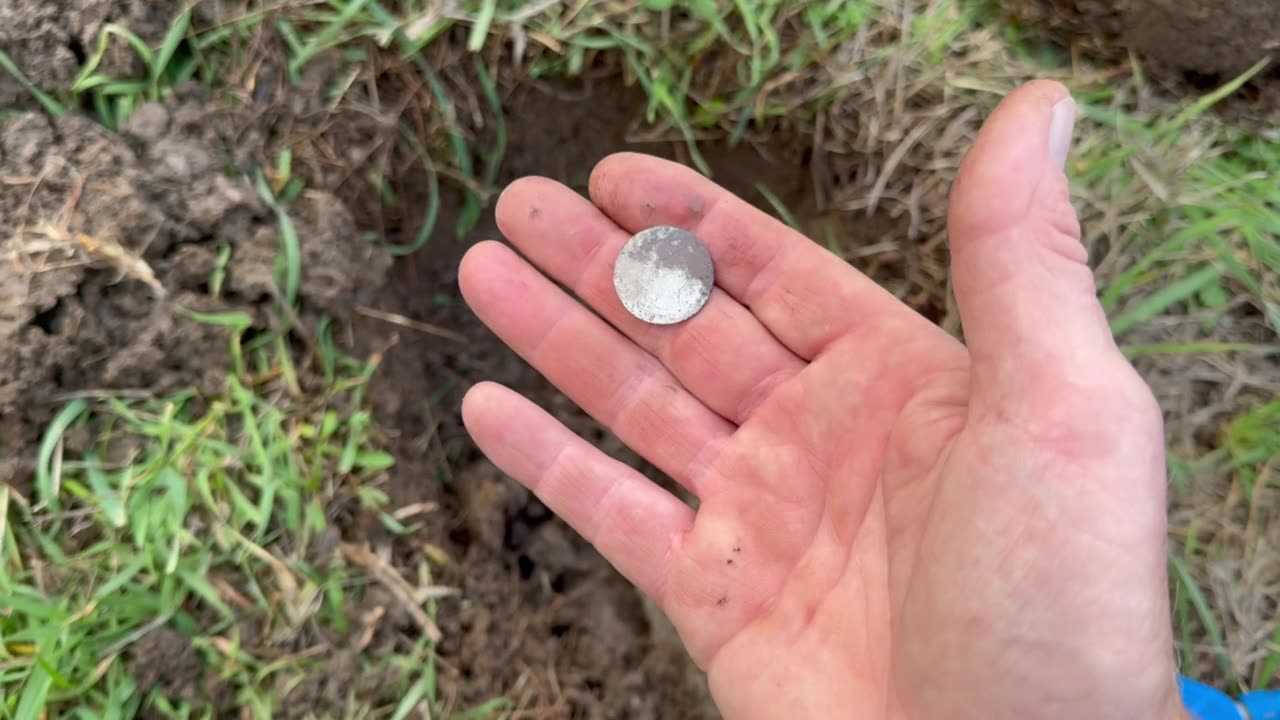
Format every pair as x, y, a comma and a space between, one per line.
723, 599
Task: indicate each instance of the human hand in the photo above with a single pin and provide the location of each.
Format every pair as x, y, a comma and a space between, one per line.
890, 524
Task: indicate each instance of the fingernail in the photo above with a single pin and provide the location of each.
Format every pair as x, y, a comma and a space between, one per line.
1064, 119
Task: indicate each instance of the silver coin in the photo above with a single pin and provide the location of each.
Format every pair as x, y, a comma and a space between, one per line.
663, 275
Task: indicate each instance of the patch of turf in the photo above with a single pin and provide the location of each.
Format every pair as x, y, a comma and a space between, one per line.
181, 514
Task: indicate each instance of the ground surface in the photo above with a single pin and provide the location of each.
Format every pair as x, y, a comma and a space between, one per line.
1185, 43
168, 202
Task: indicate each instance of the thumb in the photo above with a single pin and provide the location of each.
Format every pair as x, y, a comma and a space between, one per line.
1027, 300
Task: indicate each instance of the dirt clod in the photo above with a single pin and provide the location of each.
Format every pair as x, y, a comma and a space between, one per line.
92, 218
1213, 37
1189, 46
49, 40
165, 660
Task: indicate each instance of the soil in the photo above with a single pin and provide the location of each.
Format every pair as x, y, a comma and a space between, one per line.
1230, 35
49, 40
1186, 45
91, 216
164, 659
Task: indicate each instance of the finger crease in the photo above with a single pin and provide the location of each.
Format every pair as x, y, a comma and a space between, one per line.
589, 260
536, 349
629, 395
601, 513
763, 277
759, 392
702, 467
551, 469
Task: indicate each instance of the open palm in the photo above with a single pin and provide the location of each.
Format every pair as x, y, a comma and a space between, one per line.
890, 524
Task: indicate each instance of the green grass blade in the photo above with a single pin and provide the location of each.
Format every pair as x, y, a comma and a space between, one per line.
493, 161
480, 28
417, 693
87, 78
202, 587
121, 578
778, 206
1184, 581
108, 499
432, 213
236, 320
469, 215
327, 37
114, 88
1198, 107
1191, 348
290, 261
172, 39
1272, 663
1163, 299
32, 702
1180, 240
484, 711
45, 482
51, 106
290, 36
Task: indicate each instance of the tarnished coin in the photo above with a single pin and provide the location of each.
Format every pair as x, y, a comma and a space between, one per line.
663, 275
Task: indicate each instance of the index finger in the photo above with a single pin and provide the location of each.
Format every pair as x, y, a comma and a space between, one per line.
806, 296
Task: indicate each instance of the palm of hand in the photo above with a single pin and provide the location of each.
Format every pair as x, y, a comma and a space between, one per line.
922, 535
889, 525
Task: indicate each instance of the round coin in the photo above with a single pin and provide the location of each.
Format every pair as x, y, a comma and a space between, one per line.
663, 275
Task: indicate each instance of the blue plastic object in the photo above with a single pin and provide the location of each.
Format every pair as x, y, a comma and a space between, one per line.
1262, 704
1206, 703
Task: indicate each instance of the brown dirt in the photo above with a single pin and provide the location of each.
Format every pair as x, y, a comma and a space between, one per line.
164, 660
1186, 45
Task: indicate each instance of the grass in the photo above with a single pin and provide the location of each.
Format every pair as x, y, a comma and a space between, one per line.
199, 516
1206, 204
1181, 213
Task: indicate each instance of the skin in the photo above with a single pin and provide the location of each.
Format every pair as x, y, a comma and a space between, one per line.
891, 524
